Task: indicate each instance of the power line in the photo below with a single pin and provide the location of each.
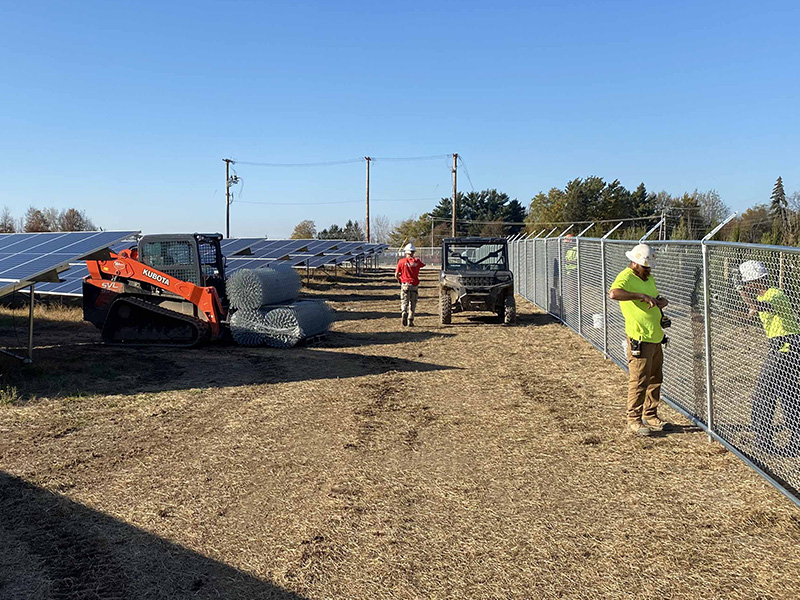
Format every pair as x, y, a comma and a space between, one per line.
341, 162
312, 164
409, 158
338, 201
466, 172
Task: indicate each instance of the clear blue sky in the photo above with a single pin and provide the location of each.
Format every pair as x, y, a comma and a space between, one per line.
126, 109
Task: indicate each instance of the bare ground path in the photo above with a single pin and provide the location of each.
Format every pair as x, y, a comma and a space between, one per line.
467, 461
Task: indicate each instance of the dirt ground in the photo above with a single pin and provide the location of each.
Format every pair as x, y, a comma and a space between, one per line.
462, 461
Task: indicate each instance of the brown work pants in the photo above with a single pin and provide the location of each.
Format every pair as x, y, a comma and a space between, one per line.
408, 300
645, 375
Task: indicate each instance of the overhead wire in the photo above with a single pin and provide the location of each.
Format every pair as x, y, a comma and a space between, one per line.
410, 158
339, 201
466, 172
311, 164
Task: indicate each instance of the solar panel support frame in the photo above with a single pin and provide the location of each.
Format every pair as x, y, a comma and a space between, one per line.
26, 359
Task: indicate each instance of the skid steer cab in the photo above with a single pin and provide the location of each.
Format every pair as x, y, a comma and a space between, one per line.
167, 290
475, 277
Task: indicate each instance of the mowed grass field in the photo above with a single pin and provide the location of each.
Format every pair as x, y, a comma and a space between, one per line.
463, 461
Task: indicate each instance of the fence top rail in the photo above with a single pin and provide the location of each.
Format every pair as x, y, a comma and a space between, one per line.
744, 245
652, 243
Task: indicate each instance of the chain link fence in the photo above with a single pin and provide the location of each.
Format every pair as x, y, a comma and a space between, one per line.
431, 256
732, 363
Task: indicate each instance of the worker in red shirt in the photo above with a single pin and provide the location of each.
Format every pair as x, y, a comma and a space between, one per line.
407, 273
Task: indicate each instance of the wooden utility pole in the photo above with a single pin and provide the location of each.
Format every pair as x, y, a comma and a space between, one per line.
368, 159
227, 162
455, 187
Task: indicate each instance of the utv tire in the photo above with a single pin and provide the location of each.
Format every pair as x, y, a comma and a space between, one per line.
445, 308
510, 312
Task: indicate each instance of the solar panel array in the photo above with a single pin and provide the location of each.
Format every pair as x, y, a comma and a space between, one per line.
246, 253
27, 258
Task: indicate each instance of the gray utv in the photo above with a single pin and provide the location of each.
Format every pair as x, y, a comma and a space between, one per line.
475, 276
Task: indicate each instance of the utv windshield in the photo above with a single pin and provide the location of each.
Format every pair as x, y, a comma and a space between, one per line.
475, 257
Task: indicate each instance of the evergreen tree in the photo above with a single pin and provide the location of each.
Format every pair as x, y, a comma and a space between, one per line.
353, 232
334, 232
778, 211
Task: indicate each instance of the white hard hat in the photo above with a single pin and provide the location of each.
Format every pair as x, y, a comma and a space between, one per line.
410, 248
642, 254
752, 270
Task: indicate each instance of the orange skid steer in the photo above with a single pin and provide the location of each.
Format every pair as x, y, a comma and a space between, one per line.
167, 291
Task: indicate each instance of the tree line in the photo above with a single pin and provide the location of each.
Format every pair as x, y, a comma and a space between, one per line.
37, 220
583, 201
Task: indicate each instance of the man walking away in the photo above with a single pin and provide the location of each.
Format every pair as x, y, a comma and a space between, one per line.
778, 379
407, 273
635, 290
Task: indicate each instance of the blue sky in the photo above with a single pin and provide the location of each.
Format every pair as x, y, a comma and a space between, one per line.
126, 109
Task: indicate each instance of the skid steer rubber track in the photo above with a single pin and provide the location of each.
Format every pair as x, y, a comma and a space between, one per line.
132, 321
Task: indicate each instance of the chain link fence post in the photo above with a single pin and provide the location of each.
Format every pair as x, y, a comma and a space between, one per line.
533, 293
707, 332
604, 286
578, 269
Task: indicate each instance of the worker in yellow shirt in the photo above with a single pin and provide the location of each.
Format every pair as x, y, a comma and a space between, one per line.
778, 379
635, 290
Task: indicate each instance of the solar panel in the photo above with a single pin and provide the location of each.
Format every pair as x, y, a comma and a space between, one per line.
279, 248
263, 253
27, 258
231, 246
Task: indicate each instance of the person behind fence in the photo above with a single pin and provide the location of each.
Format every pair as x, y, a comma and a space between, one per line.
570, 256
407, 273
635, 290
778, 379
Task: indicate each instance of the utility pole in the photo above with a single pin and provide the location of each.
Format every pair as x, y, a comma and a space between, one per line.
227, 162
455, 175
368, 159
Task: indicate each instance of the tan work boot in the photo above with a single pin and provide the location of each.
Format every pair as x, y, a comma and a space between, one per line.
639, 428
656, 424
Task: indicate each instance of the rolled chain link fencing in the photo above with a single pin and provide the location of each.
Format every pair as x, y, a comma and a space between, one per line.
721, 369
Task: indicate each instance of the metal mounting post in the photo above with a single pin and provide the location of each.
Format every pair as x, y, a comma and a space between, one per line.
604, 291
578, 269
714, 231
650, 231
707, 343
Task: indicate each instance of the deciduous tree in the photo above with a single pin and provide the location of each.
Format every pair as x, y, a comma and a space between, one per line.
304, 230
7, 223
35, 221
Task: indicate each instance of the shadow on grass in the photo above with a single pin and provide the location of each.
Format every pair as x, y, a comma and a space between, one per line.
378, 338
80, 370
56, 548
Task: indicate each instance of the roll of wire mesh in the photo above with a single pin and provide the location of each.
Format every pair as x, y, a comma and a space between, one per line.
251, 289
280, 326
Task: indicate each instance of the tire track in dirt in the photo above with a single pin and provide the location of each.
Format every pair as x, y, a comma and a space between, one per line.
388, 414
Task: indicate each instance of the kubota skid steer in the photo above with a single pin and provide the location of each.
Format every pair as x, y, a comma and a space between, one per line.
168, 291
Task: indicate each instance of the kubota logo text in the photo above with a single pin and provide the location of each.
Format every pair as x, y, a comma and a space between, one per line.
156, 276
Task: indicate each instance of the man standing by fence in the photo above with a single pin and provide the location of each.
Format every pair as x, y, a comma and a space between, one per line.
407, 273
635, 290
778, 379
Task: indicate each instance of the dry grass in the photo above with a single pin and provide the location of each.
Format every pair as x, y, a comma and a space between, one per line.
469, 461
